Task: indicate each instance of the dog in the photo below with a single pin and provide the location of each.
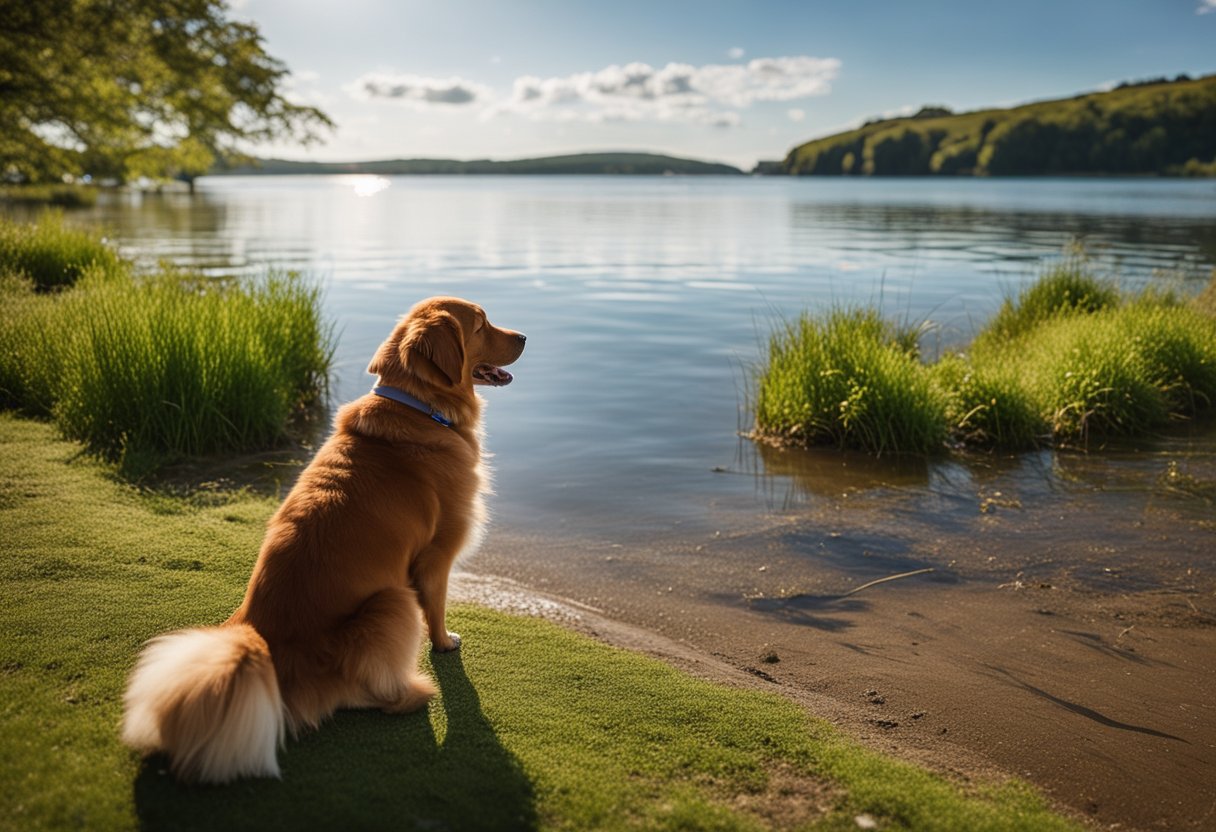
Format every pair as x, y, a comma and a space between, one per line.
353, 562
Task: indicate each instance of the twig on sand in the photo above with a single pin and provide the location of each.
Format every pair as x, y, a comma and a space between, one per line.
857, 589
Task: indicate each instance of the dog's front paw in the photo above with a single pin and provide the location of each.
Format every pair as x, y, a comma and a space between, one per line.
448, 644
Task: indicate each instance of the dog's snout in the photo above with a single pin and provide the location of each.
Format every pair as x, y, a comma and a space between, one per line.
522, 338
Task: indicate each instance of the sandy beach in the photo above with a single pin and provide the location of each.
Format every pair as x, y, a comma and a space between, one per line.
1098, 696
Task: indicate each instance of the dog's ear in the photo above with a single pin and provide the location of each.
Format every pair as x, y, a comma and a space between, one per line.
433, 348
388, 355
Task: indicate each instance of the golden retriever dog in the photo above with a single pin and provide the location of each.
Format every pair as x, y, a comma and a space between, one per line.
354, 560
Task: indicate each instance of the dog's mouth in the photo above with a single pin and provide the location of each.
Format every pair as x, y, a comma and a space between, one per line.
491, 375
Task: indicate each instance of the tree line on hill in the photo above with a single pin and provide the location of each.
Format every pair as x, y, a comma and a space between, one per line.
636, 164
1156, 127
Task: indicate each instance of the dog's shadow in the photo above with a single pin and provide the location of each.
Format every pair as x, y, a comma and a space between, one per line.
365, 770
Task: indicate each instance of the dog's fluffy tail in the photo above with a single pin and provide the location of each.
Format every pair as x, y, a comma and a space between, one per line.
209, 699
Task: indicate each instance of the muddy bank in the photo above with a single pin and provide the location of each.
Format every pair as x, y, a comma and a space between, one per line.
1099, 696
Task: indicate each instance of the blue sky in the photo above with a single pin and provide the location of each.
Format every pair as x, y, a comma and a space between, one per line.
734, 82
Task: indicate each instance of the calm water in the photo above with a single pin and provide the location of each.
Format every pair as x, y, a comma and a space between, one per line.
645, 300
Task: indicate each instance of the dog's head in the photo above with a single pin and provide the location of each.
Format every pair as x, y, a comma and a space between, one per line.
444, 346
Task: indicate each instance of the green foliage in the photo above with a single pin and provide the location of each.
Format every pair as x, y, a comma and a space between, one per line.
988, 404
1065, 290
1205, 301
1120, 372
535, 726
1160, 127
146, 369
52, 254
64, 195
850, 379
152, 87
1067, 361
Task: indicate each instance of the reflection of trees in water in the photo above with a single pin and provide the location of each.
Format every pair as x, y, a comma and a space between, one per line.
181, 227
1137, 244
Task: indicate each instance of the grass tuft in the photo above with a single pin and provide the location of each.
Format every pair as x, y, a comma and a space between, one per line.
1068, 360
53, 255
850, 379
144, 370
1067, 289
1205, 301
64, 195
1123, 372
988, 405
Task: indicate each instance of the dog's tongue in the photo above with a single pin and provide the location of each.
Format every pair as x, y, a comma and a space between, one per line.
491, 375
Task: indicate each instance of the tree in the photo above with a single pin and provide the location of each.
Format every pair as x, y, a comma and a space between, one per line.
128, 88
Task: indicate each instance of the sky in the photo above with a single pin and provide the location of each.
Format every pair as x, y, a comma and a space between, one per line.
722, 81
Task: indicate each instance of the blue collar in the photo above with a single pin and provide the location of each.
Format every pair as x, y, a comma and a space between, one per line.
405, 398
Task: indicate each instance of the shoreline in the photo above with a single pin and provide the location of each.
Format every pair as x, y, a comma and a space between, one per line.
1099, 699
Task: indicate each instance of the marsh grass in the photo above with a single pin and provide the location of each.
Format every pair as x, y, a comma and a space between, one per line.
53, 255
1068, 361
62, 195
989, 404
1066, 290
1120, 372
149, 369
850, 379
1205, 301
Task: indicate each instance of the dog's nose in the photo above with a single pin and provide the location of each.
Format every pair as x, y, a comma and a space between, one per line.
522, 338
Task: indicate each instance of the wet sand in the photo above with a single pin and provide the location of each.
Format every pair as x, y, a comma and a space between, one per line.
1068, 642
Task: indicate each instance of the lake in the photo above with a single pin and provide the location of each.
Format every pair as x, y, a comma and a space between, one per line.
647, 300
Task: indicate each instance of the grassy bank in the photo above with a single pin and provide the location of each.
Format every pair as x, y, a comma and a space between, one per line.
149, 368
534, 727
64, 196
1068, 361
52, 255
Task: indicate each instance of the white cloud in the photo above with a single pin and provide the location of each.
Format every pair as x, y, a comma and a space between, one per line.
707, 94
735, 53
1206, 6
300, 88
795, 114
418, 91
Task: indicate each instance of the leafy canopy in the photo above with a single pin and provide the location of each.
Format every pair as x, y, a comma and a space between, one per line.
128, 88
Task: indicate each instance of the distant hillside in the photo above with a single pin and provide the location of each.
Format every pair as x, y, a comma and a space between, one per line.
1156, 127
647, 164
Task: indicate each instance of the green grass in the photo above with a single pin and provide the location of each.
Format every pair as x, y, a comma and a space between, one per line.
849, 379
1063, 291
65, 196
1120, 372
535, 726
1067, 361
54, 255
149, 369
1205, 301
988, 404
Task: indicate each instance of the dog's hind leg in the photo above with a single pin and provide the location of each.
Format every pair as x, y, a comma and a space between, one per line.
378, 654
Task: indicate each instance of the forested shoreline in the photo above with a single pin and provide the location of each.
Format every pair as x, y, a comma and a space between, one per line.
1159, 127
